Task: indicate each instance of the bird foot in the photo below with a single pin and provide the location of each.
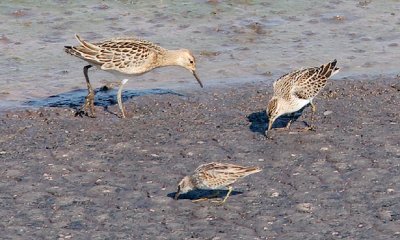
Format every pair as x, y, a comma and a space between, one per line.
218, 202
119, 98
308, 128
123, 114
268, 135
282, 129
199, 200
89, 104
82, 113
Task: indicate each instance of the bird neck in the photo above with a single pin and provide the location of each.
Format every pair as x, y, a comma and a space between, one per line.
191, 182
171, 58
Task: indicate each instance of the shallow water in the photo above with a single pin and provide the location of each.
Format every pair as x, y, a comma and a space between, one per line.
234, 41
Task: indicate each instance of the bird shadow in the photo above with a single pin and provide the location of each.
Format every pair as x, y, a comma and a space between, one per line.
201, 193
259, 120
104, 97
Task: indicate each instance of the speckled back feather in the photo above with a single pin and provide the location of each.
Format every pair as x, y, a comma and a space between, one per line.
127, 55
304, 83
214, 175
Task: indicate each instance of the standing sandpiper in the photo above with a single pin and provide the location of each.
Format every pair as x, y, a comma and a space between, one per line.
297, 89
214, 176
127, 55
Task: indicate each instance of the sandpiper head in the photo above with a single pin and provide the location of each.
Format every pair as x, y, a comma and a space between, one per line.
184, 186
187, 60
273, 112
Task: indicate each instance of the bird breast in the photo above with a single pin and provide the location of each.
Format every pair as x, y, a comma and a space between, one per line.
297, 104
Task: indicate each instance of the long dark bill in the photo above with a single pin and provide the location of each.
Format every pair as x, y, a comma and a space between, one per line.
178, 192
177, 195
269, 128
197, 78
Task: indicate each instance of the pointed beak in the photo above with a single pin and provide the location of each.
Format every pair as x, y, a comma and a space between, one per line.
176, 195
197, 78
178, 192
270, 123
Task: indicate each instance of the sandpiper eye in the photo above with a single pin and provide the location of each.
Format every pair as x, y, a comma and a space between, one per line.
191, 61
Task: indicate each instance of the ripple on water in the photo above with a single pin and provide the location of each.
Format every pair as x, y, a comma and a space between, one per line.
233, 41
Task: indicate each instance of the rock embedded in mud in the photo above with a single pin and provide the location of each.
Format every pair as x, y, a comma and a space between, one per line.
305, 207
326, 113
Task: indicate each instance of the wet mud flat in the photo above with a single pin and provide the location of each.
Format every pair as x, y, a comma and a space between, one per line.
66, 177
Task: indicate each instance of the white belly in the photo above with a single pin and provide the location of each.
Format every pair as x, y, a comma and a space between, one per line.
297, 104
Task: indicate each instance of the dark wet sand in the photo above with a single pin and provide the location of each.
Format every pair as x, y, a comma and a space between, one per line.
66, 177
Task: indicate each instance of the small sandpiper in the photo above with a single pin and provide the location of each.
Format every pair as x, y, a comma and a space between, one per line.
214, 176
297, 89
127, 55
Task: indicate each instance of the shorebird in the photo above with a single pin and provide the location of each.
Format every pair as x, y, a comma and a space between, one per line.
214, 176
297, 89
127, 55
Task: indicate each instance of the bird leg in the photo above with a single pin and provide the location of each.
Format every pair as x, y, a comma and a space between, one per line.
119, 97
292, 116
215, 194
311, 126
89, 99
199, 200
230, 189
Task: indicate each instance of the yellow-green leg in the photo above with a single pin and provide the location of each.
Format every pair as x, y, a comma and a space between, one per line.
230, 189
199, 200
312, 118
313, 110
206, 198
119, 97
292, 116
89, 99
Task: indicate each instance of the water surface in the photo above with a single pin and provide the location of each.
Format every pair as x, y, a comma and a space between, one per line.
234, 41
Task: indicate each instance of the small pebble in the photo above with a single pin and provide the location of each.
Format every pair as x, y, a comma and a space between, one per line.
385, 215
275, 194
304, 207
326, 113
390, 190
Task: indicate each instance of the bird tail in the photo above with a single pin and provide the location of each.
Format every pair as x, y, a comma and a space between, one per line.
251, 170
245, 171
71, 50
329, 69
87, 45
85, 51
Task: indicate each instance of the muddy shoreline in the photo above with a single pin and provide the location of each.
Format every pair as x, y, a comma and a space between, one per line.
66, 177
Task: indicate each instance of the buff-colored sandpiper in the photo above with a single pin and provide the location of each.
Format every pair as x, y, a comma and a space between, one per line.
214, 176
297, 89
127, 55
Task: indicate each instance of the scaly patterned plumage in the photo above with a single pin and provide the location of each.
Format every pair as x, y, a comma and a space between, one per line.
295, 90
214, 176
128, 55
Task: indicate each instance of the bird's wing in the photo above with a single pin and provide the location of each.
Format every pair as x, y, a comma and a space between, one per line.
221, 174
310, 81
284, 84
120, 54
